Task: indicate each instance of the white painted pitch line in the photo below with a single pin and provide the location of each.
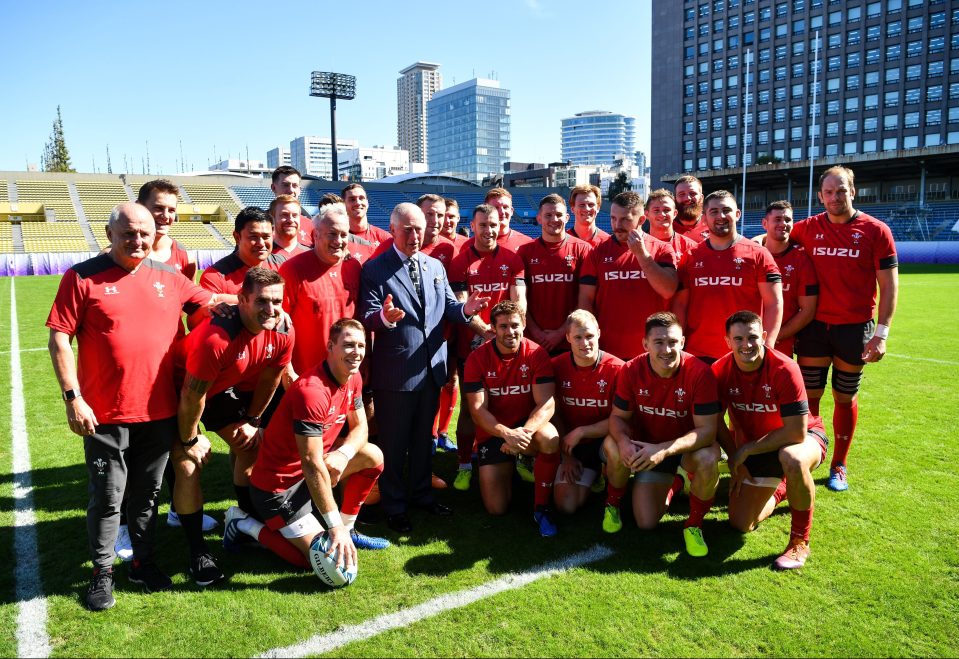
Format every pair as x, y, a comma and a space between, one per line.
7, 352
924, 359
349, 634
32, 638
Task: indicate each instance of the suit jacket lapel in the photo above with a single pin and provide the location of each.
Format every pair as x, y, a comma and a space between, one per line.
403, 275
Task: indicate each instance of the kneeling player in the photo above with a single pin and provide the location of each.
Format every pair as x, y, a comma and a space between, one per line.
664, 416
508, 383
233, 367
774, 435
302, 458
586, 381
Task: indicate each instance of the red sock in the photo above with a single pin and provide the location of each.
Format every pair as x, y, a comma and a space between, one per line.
780, 494
814, 405
697, 510
614, 495
545, 467
844, 418
801, 524
464, 445
280, 546
357, 488
676, 487
448, 398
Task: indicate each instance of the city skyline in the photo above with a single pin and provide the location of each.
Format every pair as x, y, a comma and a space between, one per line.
228, 93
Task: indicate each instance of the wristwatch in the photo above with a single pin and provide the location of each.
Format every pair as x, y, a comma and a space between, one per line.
252, 420
191, 443
71, 394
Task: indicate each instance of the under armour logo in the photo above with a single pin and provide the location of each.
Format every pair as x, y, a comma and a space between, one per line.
699, 264
567, 384
734, 391
158, 287
534, 261
608, 259
110, 290
820, 236
491, 374
332, 274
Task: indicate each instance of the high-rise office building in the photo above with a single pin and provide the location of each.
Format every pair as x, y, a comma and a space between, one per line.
597, 138
468, 129
888, 80
414, 90
313, 155
278, 156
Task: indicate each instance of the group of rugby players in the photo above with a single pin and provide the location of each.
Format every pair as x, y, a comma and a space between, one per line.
600, 357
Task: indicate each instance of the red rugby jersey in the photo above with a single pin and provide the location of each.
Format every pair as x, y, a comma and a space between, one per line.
224, 352
125, 325
512, 239
846, 257
226, 275
681, 244
584, 395
491, 274
720, 283
663, 408
508, 381
624, 297
315, 406
299, 248
442, 249
757, 402
552, 272
316, 295
799, 280
594, 241
373, 235
697, 232
180, 260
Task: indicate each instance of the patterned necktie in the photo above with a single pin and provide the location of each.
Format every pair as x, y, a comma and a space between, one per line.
415, 277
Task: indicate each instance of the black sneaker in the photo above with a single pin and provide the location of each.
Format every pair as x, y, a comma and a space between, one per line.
149, 576
100, 593
203, 570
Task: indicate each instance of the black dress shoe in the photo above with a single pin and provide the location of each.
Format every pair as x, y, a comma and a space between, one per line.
399, 523
435, 508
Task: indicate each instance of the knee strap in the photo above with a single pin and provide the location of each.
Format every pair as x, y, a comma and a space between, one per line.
846, 382
814, 377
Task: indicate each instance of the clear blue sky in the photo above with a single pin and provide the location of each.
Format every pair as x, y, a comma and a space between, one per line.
224, 76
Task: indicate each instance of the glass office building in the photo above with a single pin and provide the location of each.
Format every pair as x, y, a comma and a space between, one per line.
597, 138
468, 130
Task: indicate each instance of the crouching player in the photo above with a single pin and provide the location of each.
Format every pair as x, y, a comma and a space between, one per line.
302, 458
233, 367
774, 435
508, 383
665, 415
586, 382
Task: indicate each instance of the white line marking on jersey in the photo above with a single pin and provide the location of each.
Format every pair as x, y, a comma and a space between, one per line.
924, 359
32, 639
349, 634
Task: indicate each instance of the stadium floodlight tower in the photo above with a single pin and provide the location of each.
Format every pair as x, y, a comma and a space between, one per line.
333, 86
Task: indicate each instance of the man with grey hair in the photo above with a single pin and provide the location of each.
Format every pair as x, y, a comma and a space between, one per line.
406, 300
123, 309
322, 286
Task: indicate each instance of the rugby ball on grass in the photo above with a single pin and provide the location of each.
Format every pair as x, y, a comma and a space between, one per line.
325, 566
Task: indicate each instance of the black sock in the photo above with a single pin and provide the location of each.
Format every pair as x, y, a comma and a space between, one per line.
193, 527
244, 501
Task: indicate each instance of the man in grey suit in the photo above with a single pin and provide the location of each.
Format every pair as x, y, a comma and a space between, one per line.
405, 301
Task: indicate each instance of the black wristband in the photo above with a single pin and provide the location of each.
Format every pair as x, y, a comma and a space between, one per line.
191, 443
252, 420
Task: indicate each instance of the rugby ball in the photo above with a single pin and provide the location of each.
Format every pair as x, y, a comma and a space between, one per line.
325, 566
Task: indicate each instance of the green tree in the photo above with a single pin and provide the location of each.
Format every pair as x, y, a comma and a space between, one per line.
619, 184
56, 156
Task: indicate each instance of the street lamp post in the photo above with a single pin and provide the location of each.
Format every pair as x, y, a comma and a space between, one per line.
333, 86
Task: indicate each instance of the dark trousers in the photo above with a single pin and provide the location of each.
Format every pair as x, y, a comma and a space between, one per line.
126, 458
405, 423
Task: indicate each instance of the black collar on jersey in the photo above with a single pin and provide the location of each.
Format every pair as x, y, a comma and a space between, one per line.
558, 245
522, 342
480, 256
649, 362
329, 374
595, 366
595, 231
735, 242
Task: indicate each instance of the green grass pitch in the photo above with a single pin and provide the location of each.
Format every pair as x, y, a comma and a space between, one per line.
883, 578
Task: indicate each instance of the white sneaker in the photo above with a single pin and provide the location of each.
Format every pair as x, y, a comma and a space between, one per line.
123, 547
231, 529
172, 519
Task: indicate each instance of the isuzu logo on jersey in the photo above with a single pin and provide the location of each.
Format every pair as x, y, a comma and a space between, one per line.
545, 279
836, 251
158, 287
663, 411
719, 281
511, 390
585, 402
110, 290
490, 288
625, 274
755, 407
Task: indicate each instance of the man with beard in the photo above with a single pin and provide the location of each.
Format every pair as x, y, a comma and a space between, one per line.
689, 202
285, 211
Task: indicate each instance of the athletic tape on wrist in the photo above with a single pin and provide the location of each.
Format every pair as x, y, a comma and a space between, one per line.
332, 519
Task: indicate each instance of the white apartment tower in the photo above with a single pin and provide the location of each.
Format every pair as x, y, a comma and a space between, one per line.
414, 90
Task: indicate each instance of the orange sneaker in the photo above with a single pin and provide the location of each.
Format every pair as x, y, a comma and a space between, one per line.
438, 483
795, 555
